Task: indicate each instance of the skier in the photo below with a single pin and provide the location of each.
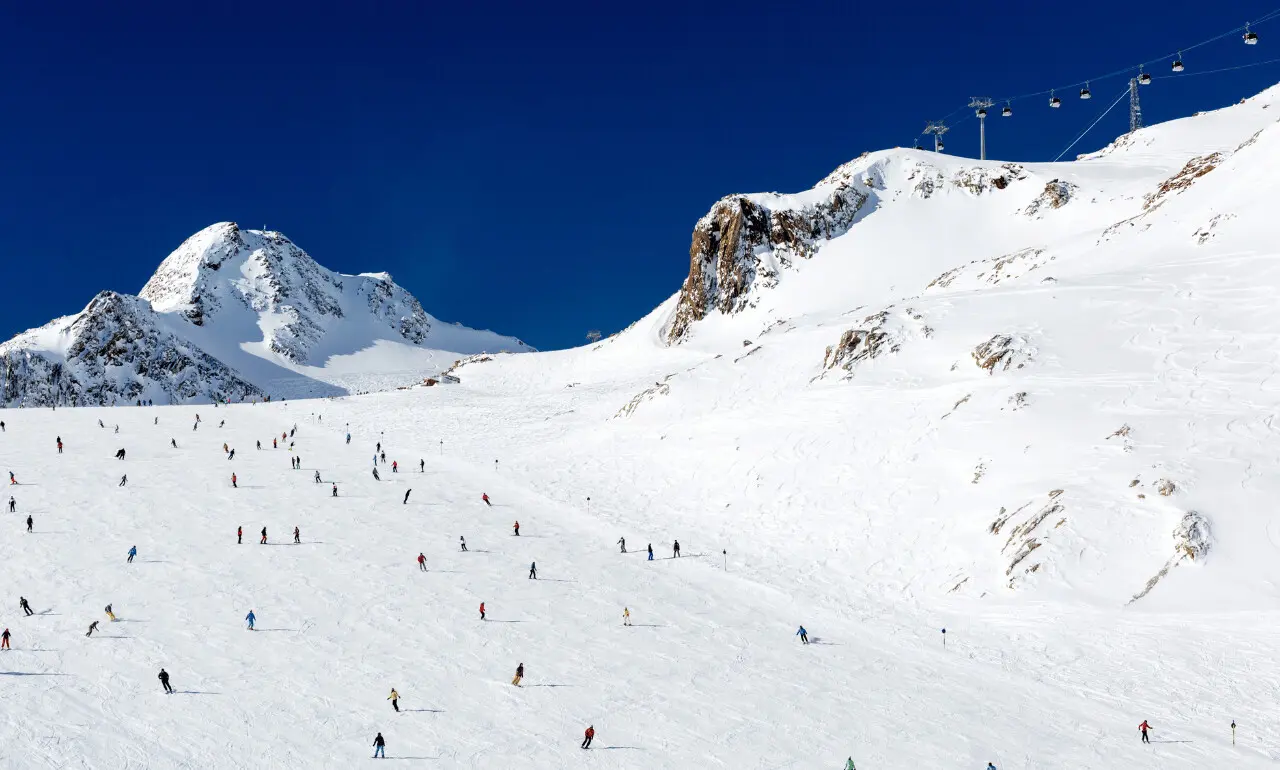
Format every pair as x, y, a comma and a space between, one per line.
12, 479
463, 542
92, 627
29, 523
990, 765
591, 733
395, 467
516, 681
195, 425
348, 438
676, 550
484, 496
377, 448
225, 448
232, 455
383, 457
406, 496
375, 459
274, 445
120, 455
422, 562
422, 466
517, 528
13, 505
123, 480
59, 445
164, 680
100, 425
622, 541
376, 477
318, 481
259, 444
651, 552
233, 481
110, 614
1143, 728
239, 535
132, 553
173, 442
533, 570
220, 424
482, 610
394, 697
297, 536
26, 607
335, 490
251, 618
803, 634
379, 747
264, 536
4, 640
626, 616
849, 765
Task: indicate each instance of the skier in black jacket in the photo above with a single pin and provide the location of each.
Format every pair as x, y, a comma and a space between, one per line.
164, 680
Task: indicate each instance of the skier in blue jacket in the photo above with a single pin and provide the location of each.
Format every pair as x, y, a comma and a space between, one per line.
132, 553
250, 617
803, 634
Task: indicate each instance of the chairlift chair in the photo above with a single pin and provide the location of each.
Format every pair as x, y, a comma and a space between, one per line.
1144, 79
941, 146
982, 112
1084, 92
1054, 101
1250, 38
1177, 63
1007, 112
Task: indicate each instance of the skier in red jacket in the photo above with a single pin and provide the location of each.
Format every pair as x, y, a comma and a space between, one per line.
485, 497
1143, 728
591, 733
482, 610
422, 562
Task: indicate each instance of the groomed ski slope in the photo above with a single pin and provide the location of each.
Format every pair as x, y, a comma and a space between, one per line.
710, 675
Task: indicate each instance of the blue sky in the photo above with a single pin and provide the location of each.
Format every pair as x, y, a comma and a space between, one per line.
531, 168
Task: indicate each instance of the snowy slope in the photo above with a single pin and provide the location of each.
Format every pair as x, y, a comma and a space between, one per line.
1032, 404
259, 307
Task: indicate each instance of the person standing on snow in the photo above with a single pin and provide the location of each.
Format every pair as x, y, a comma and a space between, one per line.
406, 496
123, 480
383, 457
379, 747
533, 570
395, 467
335, 490
59, 445
297, 536
264, 537
164, 680
622, 541
990, 765
4, 640
376, 477
517, 528
422, 466
1143, 728
251, 618
26, 608
463, 541
239, 535
233, 482
348, 438
516, 681
13, 505
173, 442
259, 445
483, 496
849, 765
29, 523
482, 610
675, 549
92, 627
133, 551
626, 616
591, 733
651, 552
422, 562
274, 445
110, 614
394, 697
318, 481
803, 634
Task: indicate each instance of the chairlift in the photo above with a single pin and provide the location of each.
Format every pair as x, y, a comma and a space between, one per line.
1177, 63
1250, 38
1144, 79
1084, 92
1054, 101
982, 112
941, 146
1007, 112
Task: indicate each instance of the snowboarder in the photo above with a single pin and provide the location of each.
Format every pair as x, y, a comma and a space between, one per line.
484, 496
123, 480
264, 536
239, 535
4, 640
251, 618
12, 479
395, 467
533, 570
120, 454
591, 733
92, 627
110, 614
675, 548
622, 541
13, 505
26, 607
849, 765
651, 552
463, 541
164, 680
297, 536
318, 481
29, 523
626, 616
335, 490
394, 697
516, 526
233, 481
376, 477
803, 634
516, 681
1143, 728
422, 466
482, 610
379, 747
406, 496
133, 551
422, 562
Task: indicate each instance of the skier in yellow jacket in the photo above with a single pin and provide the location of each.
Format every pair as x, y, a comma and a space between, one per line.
394, 697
